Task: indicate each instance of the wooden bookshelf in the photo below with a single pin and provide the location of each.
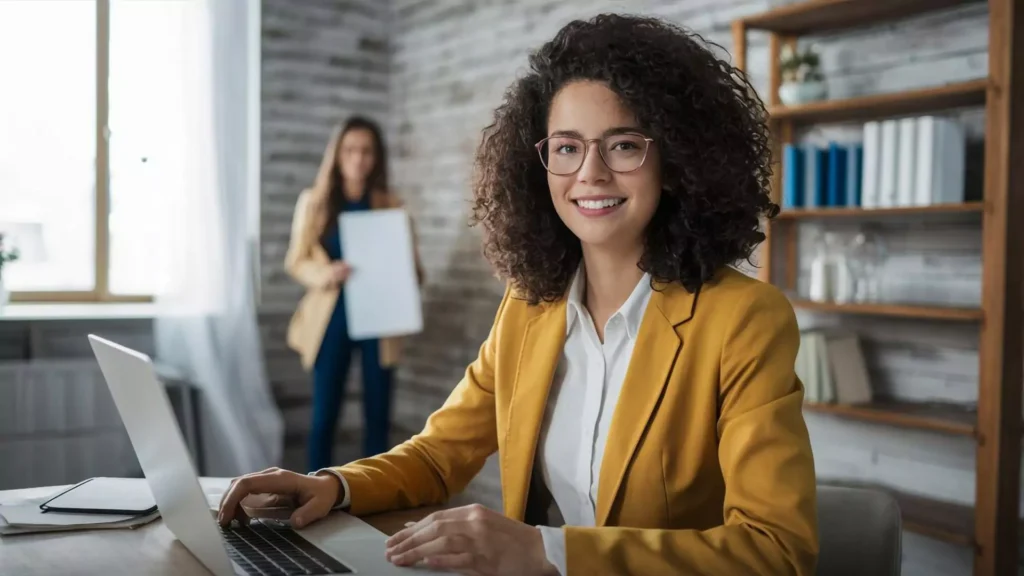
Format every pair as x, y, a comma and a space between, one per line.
830, 15
958, 95
967, 209
992, 525
945, 418
897, 310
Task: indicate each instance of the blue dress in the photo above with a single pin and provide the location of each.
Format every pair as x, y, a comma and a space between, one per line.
330, 375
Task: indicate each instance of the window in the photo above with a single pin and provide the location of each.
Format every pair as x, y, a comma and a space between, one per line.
90, 124
48, 116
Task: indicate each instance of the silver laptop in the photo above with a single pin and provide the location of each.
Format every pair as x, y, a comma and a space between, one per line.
338, 544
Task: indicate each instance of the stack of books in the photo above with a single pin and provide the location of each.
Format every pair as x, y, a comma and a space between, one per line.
899, 163
832, 368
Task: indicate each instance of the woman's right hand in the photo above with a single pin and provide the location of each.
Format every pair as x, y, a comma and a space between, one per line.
315, 496
340, 272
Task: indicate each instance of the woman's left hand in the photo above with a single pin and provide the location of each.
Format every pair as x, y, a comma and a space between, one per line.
472, 540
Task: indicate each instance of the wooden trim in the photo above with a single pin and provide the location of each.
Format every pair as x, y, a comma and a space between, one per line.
739, 44
956, 95
821, 15
900, 310
102, 278
792, 232
774, 70
999, 394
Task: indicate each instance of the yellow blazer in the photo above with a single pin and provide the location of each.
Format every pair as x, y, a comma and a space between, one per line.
708, 466
310, 265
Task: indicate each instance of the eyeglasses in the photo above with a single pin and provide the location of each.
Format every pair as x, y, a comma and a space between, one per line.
564, 155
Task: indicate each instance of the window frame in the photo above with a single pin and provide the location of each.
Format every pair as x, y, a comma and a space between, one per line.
101, 285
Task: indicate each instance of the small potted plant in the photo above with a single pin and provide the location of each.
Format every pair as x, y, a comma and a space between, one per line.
802, 80
6, 255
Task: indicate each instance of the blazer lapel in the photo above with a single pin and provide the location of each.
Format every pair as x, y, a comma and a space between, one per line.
542, 346
654, 355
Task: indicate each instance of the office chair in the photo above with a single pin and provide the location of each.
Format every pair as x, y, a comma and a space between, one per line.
860, 532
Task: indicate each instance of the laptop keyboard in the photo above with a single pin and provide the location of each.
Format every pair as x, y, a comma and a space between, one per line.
270, 548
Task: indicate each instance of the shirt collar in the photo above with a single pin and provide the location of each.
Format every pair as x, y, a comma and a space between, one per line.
632, 310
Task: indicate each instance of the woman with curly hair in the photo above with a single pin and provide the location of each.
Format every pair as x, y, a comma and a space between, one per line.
639, 391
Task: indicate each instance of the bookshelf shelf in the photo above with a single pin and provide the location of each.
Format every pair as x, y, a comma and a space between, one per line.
989, 526
897, 310
945, 418
829, 15
946, 521
960, 94
965, 209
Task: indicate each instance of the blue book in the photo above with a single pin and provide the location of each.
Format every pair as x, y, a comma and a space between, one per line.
836, 175
815, 176
854, 170
792, 177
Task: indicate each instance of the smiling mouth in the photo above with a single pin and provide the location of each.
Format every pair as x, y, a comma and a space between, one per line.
600, 204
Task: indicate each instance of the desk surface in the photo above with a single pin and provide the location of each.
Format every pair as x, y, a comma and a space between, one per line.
114, 552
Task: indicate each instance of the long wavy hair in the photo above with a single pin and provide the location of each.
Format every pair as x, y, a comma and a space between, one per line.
328, 188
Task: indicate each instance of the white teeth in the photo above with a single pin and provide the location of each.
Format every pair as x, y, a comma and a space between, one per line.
599, 204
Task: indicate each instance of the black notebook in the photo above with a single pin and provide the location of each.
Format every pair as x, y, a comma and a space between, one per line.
124, 496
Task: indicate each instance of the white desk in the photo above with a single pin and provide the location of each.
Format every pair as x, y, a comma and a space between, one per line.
149, 549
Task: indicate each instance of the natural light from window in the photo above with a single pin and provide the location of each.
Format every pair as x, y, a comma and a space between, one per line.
48, 138
48, 114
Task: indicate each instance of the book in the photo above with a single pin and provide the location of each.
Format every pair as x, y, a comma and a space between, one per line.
792, 176
870, 165
836, 195
849, 369
854, 168
815, 176
941, 159
887, 162
905, 163
804, 368
813, 368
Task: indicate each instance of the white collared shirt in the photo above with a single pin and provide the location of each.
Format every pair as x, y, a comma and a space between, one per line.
584, 392
582, 400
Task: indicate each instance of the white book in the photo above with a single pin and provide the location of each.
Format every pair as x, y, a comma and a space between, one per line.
869, 170
888, 157
905, 165
941, 156
803, 369
953, 148
827, 388
924, 183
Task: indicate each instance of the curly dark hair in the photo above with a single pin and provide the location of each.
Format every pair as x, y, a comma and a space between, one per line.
704, 116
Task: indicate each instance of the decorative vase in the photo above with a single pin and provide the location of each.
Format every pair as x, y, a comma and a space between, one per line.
794, 93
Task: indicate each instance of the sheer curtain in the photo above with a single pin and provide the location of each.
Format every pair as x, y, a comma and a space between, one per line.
207, 325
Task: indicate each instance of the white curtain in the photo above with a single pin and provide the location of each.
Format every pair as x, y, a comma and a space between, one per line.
207, 325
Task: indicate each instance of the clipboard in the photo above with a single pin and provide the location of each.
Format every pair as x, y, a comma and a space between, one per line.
382, 295
119, 496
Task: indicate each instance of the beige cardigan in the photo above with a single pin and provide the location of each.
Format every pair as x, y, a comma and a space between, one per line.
308, 263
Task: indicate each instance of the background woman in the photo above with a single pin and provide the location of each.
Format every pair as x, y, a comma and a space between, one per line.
352, 177
640, 392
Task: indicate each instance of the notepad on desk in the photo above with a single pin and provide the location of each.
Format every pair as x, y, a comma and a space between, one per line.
95, 503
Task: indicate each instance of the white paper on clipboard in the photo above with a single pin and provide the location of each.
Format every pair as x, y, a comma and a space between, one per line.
382, 295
